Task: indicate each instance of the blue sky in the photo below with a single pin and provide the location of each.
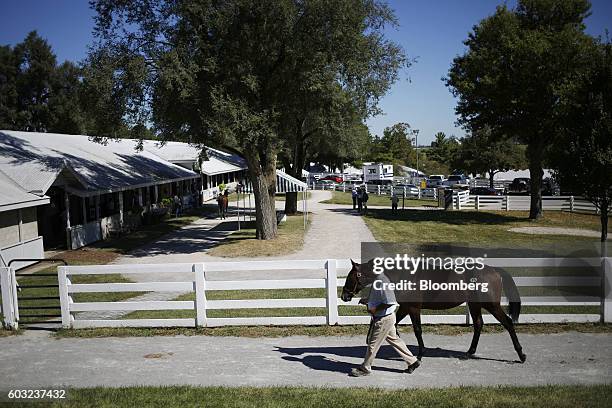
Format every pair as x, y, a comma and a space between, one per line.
431, 31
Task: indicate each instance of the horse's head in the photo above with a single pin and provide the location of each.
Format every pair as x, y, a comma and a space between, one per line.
354, 282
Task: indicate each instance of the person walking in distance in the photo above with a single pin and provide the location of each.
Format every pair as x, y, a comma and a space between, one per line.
354, 196
359, 200
364, 199
394, 202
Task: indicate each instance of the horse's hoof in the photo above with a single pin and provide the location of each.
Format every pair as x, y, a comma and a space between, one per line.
523, 357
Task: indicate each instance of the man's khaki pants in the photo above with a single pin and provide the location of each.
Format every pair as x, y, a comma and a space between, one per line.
384, 329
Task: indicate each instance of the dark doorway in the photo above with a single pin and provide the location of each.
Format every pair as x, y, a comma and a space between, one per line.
51, 220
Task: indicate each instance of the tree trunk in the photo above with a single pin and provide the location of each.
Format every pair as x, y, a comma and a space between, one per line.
491, 178
293, 167
263, 178
534, 154
291, 203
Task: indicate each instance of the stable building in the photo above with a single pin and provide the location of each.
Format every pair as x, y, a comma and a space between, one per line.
19, 237
92, 190
216, 167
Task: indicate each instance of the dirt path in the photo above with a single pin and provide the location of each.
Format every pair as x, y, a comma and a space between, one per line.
36, 360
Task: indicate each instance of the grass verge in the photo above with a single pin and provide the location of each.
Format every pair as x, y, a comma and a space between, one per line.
561, 396
243, 243
325, 331
486, 228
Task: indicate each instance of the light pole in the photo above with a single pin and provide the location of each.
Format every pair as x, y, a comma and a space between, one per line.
416, 147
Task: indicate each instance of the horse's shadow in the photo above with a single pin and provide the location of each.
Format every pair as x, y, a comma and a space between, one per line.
318, 358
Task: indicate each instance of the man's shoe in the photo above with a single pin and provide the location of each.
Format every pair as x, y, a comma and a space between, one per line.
413, 367
359, 372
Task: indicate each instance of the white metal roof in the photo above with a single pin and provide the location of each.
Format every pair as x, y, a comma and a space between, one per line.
34, 160
284, 184
13, 197
217, 162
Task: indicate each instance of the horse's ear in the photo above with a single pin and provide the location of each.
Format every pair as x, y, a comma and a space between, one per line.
353, 262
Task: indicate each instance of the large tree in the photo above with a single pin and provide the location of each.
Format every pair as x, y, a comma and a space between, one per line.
583, 158
510, 78
36, 94
481, 152
230, 73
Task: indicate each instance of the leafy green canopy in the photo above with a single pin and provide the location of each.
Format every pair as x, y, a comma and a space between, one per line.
233, 73
36, 94
253, 76
583, 158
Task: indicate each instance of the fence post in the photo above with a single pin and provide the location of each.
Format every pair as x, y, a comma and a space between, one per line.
200, 294
571, 203
606, 300
477, 203
344, 187
378, 189
8, 307
62, 281
331, 286
507, 199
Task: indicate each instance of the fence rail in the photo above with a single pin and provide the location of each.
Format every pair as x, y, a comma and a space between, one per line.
195, 281
463, 200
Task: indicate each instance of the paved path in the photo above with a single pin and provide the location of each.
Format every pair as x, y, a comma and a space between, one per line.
335, 231
35, 360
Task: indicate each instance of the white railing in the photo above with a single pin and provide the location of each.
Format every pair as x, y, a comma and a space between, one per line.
462, 200
8, 290
196, 282
382, 190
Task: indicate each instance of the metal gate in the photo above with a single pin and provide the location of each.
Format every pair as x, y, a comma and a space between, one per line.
35, 296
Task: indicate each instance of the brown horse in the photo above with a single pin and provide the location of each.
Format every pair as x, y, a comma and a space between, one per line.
222, 202
361, 276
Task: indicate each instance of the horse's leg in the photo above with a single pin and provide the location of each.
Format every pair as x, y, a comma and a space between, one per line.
415, 316
476, 313
496, 310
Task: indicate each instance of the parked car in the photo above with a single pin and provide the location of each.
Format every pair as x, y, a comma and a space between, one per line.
335, 179
435, 180
411, 189
520, 185
327, 184
456, 179
485, 191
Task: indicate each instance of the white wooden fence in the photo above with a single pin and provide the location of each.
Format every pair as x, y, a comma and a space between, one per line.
384, 190
197, 282
463, 200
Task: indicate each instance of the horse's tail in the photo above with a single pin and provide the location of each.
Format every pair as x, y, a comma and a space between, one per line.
512, 293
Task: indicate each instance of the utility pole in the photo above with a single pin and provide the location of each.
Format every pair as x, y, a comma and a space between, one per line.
416, 147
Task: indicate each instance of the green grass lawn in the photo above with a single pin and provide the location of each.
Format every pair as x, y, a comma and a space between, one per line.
486, 228
338, 197
559, 396
244, 244
348, 330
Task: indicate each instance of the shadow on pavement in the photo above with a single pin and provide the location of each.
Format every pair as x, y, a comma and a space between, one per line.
318, 358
